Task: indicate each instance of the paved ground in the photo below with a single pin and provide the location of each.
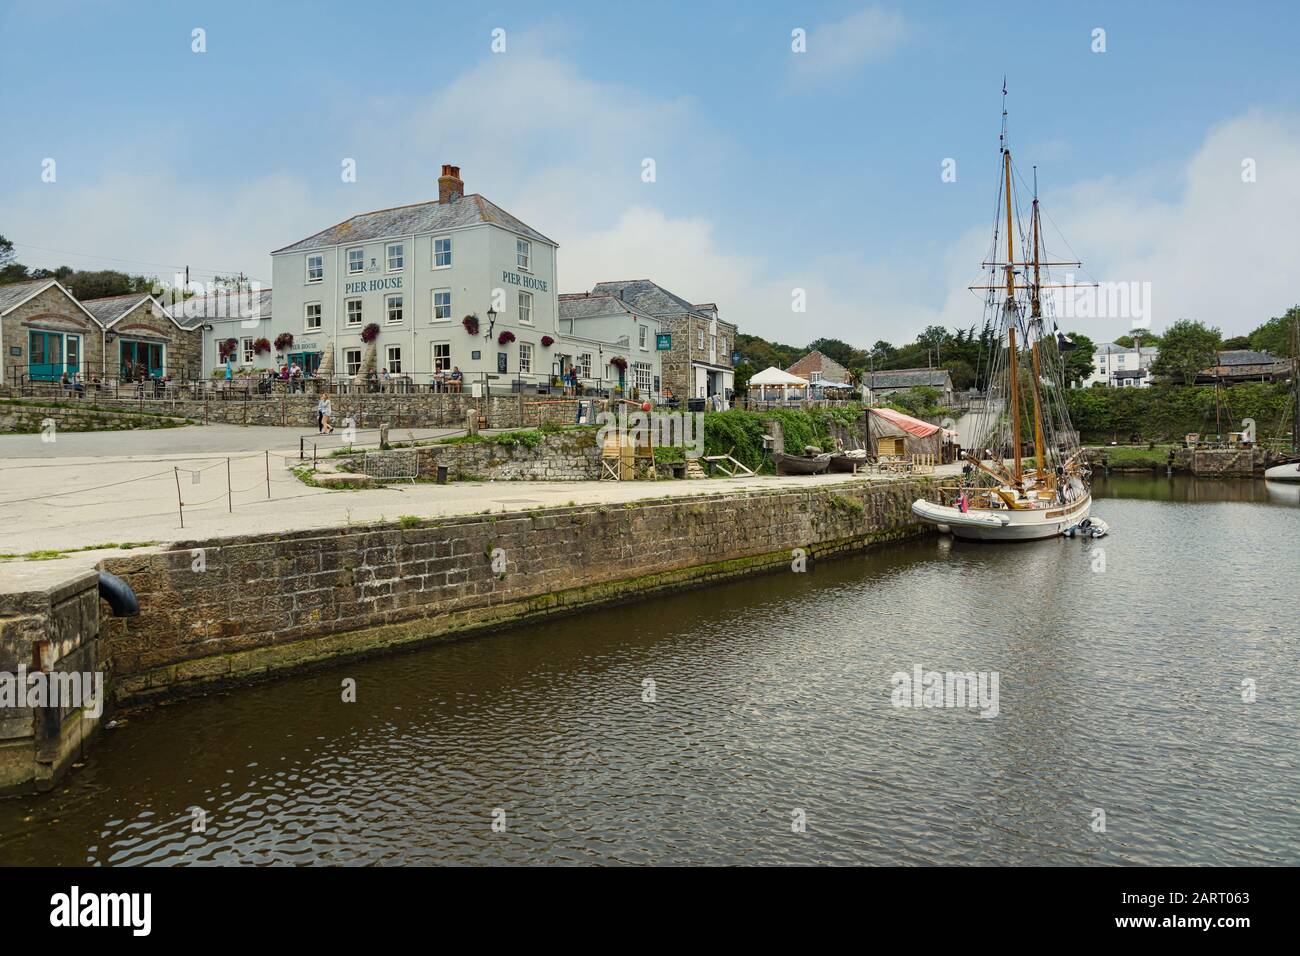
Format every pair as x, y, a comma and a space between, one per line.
111, 488
190, 440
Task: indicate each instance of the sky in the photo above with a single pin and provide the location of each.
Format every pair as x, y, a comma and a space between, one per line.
1167, 148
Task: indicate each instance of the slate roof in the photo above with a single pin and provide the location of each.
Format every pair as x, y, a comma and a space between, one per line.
586, 305
192, 313
909, 378
647, 296
111, 308
15, 292
415, 219
1246, 357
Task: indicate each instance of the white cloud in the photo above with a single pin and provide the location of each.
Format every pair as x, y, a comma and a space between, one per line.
842, 46
1219, 250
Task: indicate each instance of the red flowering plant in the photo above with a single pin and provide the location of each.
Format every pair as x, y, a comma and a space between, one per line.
505, 337
370, 333
261, 346
619, 363
284, 341
547, 341
227, 348
471, 324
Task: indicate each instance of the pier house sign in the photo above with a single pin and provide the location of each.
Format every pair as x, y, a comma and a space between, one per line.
372, 285
527, 282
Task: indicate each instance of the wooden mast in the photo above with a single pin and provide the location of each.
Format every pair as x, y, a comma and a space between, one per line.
1036, 313
1010, 309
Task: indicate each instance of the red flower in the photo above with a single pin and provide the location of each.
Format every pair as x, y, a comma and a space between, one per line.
261, 346
471, 324
283, 341
505, 337
370, 332
547, 341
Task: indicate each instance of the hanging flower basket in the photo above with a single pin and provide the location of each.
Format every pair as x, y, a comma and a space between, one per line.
505, 338
261, 346
228, 348
471, 324
370, 333
619, 363
547, 341
284, 341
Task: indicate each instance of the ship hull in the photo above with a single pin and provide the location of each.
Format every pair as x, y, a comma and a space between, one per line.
1008, 525
1290, 472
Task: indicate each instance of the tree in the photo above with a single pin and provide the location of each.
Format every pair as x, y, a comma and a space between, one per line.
1188, 347
1078, 361
1275, 335
961, 372
7, 254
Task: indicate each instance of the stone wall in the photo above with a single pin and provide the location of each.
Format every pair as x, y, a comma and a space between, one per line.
49, 620
564, 456
368, 410
264, 603
24, 419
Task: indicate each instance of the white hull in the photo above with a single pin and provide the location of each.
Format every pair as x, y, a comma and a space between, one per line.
1008, 525
1289, 472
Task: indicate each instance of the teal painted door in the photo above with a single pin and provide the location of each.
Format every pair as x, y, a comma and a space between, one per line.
72, 355
45, 355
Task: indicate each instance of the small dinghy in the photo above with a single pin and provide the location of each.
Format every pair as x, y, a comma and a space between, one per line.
1088, 528
800, 464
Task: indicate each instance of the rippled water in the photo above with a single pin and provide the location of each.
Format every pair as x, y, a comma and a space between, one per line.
1119, 689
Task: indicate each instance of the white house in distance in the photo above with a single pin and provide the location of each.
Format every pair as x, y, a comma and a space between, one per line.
598, 327
1122, 367
417, 272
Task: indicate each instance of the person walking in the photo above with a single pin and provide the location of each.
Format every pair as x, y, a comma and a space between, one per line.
326, 413
321, 405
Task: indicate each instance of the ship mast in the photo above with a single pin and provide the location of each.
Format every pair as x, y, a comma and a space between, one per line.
1036, 313
1010, 310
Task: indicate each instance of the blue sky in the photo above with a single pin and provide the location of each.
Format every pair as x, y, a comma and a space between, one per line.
774, 170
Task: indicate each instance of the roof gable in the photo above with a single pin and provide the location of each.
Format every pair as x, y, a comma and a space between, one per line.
17, 293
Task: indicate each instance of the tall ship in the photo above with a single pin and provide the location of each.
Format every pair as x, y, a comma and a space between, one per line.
1025, 477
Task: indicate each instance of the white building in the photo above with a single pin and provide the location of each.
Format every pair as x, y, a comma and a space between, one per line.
417, 273
1122, 367
597, 329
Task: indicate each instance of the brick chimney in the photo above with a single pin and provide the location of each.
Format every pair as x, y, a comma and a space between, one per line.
450, 187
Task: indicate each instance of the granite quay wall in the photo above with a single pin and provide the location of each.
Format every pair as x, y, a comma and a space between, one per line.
27, 418
563, 456
233, 609
49, 622
368, 410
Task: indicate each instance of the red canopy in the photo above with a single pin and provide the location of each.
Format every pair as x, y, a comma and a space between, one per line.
913, 426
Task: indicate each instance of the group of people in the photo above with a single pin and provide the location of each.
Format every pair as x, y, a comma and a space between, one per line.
289, 373
452, 381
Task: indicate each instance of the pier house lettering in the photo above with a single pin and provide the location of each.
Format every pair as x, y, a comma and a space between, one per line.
373, 285
526, 282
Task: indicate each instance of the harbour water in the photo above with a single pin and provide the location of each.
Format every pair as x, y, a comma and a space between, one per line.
768, 733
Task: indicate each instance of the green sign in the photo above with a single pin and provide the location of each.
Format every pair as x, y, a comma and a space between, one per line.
663, 341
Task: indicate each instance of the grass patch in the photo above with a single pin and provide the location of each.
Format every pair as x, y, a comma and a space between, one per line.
51, 554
